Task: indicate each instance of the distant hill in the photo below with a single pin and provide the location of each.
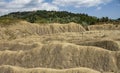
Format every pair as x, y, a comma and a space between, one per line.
42, 16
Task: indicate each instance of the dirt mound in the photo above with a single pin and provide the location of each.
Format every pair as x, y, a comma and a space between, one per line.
12, 69
23, 29
2, 33
117, 54
17, 46
98, 50
104, 27
60, 56
56, 28
106, 44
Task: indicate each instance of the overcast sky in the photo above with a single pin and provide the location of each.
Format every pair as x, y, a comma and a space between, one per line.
99, 8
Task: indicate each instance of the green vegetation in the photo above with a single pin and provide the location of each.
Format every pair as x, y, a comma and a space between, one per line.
118, 19
55, 17
5, 21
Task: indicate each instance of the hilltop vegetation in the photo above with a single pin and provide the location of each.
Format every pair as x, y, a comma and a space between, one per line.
56, 17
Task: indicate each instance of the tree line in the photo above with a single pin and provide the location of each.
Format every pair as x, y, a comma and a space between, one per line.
42, 16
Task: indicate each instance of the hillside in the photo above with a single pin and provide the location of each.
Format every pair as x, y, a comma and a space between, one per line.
56, 17
58, 42
59, 48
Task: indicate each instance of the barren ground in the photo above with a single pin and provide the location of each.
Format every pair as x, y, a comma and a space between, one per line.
58, 48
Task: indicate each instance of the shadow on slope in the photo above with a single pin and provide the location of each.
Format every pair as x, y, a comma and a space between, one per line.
105, 44
17, 46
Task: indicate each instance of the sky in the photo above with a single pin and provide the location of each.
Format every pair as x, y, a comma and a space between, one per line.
98, 8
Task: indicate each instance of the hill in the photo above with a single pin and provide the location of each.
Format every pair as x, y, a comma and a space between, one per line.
46, 46
56, 17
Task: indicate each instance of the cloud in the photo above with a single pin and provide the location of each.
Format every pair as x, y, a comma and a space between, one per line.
7, 6
99, 8
80, 3
17, 3
24, 5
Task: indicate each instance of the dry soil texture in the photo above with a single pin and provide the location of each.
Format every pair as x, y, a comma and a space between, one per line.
59, 48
